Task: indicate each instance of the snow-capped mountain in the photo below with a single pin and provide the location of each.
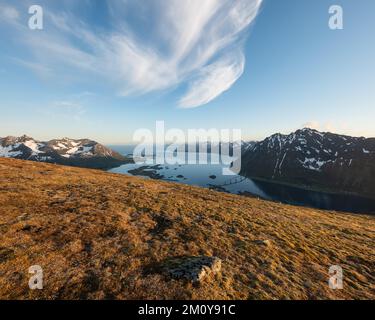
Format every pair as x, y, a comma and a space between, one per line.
311, 158
82, 153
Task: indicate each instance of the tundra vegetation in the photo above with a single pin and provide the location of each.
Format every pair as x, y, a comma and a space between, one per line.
99, 235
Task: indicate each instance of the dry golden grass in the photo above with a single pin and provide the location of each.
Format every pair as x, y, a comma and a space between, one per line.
95, 234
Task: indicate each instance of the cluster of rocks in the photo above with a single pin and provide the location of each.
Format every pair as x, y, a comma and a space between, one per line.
194, 269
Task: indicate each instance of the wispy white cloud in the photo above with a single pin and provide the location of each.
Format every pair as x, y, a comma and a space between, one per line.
42, 70
312, 125
63, 110
213, 80
9, 13
332, 126
151, 46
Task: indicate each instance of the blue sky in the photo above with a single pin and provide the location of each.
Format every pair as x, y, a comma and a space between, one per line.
103, 69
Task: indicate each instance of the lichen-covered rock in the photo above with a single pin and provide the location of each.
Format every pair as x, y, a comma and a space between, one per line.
266, 243
194, 269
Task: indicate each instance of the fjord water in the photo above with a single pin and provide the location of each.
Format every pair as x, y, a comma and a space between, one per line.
211, 176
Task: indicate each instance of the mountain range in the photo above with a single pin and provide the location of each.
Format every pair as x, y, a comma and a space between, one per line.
318, 160
80, 153
306, 158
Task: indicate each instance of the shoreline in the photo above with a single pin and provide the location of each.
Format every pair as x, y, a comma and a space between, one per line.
151, 172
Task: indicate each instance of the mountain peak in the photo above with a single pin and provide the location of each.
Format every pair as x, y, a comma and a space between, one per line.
82, 153
25, 138
311, 158
307, 129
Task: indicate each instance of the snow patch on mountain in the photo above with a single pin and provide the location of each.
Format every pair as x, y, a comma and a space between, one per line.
82, 152
9, 151
313, 164
34, 147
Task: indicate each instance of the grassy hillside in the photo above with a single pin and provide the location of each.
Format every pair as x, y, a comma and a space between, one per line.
99, 236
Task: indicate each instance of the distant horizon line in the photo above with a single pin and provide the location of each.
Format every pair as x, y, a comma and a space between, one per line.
129, 143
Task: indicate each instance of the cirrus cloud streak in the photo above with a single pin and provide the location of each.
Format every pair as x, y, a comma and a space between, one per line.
148, 46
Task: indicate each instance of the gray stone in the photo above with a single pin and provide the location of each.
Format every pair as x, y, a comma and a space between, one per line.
194, 269
266, 243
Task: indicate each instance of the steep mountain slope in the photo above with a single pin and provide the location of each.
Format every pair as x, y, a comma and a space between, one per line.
313, 159
81, 153
103, 236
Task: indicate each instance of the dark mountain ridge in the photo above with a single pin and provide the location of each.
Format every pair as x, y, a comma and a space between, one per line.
319, 160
